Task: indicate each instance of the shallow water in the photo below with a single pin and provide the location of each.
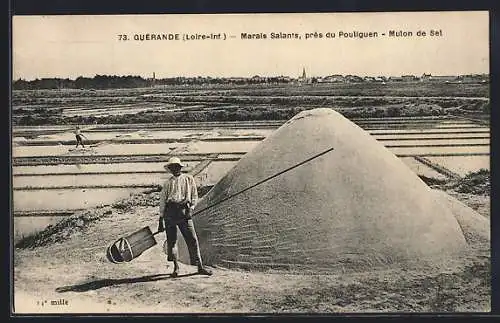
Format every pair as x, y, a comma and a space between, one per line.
441, 150
26, 226
85, 168
81, 180
94, 133
105, 149
222, 147
421, 169
463, 164
24, 151
423, 131
215, 171
447, 141
68, 199
117, 135
485, 135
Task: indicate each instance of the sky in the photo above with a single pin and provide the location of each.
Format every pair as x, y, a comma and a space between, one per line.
79, 45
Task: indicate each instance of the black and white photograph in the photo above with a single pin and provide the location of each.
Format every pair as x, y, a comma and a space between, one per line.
255, 163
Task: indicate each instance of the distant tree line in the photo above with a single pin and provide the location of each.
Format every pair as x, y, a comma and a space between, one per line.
114, 82
97, 82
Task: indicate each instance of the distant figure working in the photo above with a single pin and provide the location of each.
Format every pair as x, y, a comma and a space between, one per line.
177, 200
79, 135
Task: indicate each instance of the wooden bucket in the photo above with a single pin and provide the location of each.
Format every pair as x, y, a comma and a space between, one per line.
130, 247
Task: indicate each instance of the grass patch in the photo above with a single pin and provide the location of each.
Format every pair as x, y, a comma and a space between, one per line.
477, 183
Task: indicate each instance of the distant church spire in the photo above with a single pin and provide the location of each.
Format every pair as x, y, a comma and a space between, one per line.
304, 76
152, 80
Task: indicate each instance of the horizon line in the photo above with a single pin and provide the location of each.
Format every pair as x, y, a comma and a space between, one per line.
243, 77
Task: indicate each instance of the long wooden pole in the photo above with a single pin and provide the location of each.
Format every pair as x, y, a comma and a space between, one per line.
260, 182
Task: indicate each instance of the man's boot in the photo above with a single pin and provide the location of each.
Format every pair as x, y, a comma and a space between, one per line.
175, 273
202, 270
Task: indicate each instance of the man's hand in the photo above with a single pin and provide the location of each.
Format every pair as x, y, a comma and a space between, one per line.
188, 212
161, 226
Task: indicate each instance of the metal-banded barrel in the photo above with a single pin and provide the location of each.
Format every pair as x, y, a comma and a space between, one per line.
130, 247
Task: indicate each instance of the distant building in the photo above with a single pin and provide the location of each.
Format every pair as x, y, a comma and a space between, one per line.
443, 78
409, 78
303, 78
152, 80
236, 80
473, 78
438, 78
395, 79
336, 78
425, 77
257, 79
353, 79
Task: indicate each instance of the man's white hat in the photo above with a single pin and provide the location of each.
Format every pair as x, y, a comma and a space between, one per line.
172, 161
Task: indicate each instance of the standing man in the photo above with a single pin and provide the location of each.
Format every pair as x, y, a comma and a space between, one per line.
177, 200
79, 135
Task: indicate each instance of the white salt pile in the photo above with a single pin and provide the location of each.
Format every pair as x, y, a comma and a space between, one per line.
475, 227
355, 207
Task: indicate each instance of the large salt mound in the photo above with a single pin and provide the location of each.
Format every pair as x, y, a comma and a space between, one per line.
475, 227
355, 207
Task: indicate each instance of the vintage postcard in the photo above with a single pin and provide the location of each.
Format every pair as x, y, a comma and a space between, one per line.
251, 163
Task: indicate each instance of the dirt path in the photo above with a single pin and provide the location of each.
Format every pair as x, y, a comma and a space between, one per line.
71, 274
